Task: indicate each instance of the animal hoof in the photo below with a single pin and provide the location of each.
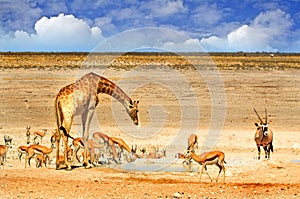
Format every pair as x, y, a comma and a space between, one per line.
87, 165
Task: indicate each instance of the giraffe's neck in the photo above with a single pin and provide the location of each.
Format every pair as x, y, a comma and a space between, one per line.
108, 87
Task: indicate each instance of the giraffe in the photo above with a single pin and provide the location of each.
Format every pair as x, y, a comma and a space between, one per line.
81, 98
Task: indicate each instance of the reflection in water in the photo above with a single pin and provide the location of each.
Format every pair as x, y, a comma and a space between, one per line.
159, 165
295, 161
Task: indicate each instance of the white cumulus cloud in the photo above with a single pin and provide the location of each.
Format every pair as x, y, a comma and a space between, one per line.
59, 33
268, 32
248, 38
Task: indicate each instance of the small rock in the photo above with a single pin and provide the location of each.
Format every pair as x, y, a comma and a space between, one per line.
177, 195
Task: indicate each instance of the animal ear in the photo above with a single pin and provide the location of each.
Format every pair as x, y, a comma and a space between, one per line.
256, 124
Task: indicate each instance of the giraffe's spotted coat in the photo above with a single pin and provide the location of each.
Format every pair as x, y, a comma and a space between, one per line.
81, 98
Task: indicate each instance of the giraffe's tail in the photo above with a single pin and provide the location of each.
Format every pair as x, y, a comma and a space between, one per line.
58, 113
65, 132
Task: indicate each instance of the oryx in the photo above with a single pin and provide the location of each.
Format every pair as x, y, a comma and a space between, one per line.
263, 135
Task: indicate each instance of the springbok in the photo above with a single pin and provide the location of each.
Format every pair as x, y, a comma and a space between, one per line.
143, 151
130, 154
40, 159
39, 134
70, 156
35, 149
28, 134
192, 144
209, 158
109, 146
156, 153
187, 161
4, 148
263, 135
91, 146
22, 150
78, 144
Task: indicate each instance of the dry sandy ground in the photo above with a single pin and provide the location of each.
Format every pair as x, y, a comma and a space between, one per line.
169, 113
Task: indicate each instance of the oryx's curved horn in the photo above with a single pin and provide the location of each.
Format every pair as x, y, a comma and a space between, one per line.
266, 115
258, 116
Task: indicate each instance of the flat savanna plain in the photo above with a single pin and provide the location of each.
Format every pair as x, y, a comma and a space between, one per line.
179, 95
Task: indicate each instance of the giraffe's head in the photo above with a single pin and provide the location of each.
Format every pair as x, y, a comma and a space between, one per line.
132, 110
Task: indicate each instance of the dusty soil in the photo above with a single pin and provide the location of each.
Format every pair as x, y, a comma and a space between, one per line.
167, 115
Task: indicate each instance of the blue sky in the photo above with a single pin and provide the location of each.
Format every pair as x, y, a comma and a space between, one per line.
78, 25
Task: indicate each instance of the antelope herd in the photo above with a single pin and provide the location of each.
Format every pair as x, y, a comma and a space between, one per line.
105, 149
102, 149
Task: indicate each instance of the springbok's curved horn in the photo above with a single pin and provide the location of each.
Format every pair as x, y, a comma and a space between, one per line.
266, 115
258, 116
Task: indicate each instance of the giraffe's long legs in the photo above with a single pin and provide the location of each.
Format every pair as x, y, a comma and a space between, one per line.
66, 149
57, 150
86, 118
67, 126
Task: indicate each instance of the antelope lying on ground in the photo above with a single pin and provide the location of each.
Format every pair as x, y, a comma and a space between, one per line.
35, 149
209, 158
263, 136
4, 149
